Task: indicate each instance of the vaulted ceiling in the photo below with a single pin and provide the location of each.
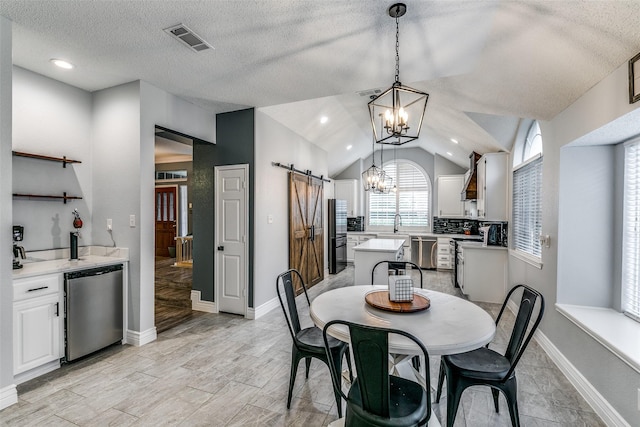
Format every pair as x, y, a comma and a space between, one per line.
484, 63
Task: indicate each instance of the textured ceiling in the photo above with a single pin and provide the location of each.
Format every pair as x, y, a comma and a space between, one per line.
484, 64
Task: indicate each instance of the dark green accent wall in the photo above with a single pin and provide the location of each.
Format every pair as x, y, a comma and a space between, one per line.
235, 136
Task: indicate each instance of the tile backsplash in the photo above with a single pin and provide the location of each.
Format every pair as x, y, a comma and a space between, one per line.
454, 225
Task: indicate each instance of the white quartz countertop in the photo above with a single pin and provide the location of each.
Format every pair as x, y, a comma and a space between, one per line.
40, 263
402, 233
380, 245
479, 245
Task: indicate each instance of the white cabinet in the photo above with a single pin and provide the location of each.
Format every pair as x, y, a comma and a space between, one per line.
347, 189
492, 187
355, 240
449, 203
482, 273
37, 322
445, 261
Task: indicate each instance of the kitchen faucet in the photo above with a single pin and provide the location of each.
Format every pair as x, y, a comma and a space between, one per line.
397, 220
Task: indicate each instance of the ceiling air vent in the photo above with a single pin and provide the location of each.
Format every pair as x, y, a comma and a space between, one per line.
371, 93
188, 37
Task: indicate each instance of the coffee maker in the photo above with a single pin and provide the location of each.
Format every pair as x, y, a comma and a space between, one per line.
18, 251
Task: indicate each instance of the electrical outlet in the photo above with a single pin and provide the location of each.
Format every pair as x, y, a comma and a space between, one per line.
109, 224
132, 220
269, 219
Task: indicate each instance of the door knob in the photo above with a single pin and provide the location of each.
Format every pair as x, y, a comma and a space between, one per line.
221, 248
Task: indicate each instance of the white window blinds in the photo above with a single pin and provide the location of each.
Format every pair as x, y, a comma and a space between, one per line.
527, 207
411, 200
631, 233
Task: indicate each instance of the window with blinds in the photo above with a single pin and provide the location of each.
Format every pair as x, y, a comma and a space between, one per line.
410, 200
527, 206
631, 232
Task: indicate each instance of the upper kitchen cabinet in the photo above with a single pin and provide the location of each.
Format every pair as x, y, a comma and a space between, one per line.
347, 189
492, 187
449, 203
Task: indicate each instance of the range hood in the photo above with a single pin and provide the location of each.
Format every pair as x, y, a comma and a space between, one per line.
470, 189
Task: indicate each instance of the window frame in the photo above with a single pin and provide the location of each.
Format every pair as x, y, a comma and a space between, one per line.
429, 189
523, 149
631, 309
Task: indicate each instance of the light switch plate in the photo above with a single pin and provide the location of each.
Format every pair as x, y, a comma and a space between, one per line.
109, 224
132, 220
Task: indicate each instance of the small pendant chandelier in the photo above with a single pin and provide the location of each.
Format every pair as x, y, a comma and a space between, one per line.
375, 179
397, 113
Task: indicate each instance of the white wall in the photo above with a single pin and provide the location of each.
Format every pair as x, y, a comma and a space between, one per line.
116, 177
8, 394
587, 119
275, 143
585, 238
53, 119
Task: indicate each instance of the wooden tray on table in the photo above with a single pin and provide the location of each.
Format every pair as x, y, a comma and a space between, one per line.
380, 300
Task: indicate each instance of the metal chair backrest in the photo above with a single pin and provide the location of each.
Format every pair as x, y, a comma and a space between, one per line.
370, 350
396, 265
519, 337
290, 309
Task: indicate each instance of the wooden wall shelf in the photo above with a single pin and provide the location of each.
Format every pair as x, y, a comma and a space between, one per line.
64, 197
62, 160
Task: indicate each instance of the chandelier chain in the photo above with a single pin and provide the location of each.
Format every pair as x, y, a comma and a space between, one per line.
397, 49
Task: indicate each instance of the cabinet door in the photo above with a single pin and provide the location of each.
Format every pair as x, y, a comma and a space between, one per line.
449, 189
36, 332
351, 243
492, 186
347, 189
481, 169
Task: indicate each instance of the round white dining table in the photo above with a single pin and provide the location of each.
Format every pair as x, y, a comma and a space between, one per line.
450, 325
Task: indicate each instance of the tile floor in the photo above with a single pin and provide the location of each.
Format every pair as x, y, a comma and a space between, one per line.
223, 370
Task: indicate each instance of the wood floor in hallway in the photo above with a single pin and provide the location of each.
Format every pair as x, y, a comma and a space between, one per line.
172, 294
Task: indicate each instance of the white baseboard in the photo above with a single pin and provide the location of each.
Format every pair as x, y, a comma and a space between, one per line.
265, 308
8, 396
199, 305
598, 403
36, 372
138, 339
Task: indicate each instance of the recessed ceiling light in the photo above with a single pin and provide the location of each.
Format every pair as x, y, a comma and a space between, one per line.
455, 141
324, 119
449, 153
62, 63
349, 147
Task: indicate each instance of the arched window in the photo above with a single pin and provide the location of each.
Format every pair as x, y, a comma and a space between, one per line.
527, 198
411, 200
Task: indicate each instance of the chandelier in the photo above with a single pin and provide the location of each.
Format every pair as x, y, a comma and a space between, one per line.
375, 179
397, 113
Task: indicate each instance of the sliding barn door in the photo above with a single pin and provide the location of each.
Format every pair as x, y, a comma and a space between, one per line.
306, 235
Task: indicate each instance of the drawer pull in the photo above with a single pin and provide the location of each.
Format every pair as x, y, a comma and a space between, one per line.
37, 289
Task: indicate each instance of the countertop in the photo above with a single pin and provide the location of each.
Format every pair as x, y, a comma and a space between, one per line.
411, 233
380, 245
57, 261
479, 245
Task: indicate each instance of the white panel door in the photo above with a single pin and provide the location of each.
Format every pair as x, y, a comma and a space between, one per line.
231, 242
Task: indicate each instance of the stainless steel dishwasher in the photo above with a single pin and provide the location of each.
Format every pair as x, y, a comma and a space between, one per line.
93, 310
424, 251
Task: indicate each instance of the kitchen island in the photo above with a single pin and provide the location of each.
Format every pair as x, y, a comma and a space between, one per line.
369, 253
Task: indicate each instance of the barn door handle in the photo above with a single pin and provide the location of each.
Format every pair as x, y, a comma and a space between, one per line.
312, 233
221, 248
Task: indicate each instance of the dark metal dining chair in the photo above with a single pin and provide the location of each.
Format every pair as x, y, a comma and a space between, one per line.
488, 367
308, 342
375, 397
397, 266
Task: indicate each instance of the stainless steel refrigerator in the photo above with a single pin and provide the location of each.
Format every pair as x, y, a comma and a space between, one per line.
337, 235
